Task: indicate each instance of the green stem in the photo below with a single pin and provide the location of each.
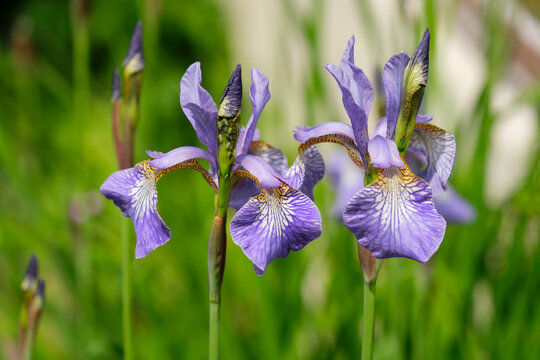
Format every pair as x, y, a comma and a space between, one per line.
369, 320
29, 344
126, 288
217, 246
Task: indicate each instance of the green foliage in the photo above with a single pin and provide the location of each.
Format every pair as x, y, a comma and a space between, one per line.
477, 298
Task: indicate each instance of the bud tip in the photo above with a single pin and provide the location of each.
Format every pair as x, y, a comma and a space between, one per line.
231, 101
116, 89
135, 57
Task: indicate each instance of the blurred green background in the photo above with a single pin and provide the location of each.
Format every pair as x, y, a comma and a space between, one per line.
477, 298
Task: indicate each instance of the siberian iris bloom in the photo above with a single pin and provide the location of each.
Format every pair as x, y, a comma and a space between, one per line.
394, 214
348, 179
275, 211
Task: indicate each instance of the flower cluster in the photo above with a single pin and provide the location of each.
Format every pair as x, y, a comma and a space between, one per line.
405, 162
276, 212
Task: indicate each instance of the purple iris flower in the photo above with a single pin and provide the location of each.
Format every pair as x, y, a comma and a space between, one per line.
394, 214
276, 213
347, 179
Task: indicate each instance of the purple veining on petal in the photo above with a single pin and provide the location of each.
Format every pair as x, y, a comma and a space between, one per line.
199, 107
306, 171
395, 217
384, 153
133, 190
181, 154
313, 171
439, 147
273, 223
259, 96
454, 208
273, 156
393, 81
259, 168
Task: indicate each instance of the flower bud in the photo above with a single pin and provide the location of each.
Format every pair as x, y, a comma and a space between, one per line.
116, 88
30, 281
228, 120
39, 298
415, 79
134, 61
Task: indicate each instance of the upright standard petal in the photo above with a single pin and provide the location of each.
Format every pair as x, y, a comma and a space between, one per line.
393, 82
259, 96
439, 147
199, 107
273, 223
134, 191
357, 97
395, 216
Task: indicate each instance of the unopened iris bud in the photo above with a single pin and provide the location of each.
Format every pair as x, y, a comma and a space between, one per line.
134, 61
30, 281
415, 79
39, 298
228, 121
116, 88
230, 104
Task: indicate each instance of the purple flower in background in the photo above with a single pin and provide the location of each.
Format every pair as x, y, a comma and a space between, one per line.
276, 213
394, 214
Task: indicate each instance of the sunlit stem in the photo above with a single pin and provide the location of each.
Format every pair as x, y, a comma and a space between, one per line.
217, 246
127, 265
368, 321
370, 270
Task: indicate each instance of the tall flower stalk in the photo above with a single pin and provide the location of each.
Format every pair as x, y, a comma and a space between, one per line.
125, 114
276, 213
33, 300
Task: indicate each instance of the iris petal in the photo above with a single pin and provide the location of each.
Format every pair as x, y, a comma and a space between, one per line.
306, 171
439, 147
384, 153
346, 180
273, 156
273, 223
181, 154
357, 97
393, 79
199, 107
259, 96
242, 137
134, 191
454, 208
258, 168
395, 216
333, 132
